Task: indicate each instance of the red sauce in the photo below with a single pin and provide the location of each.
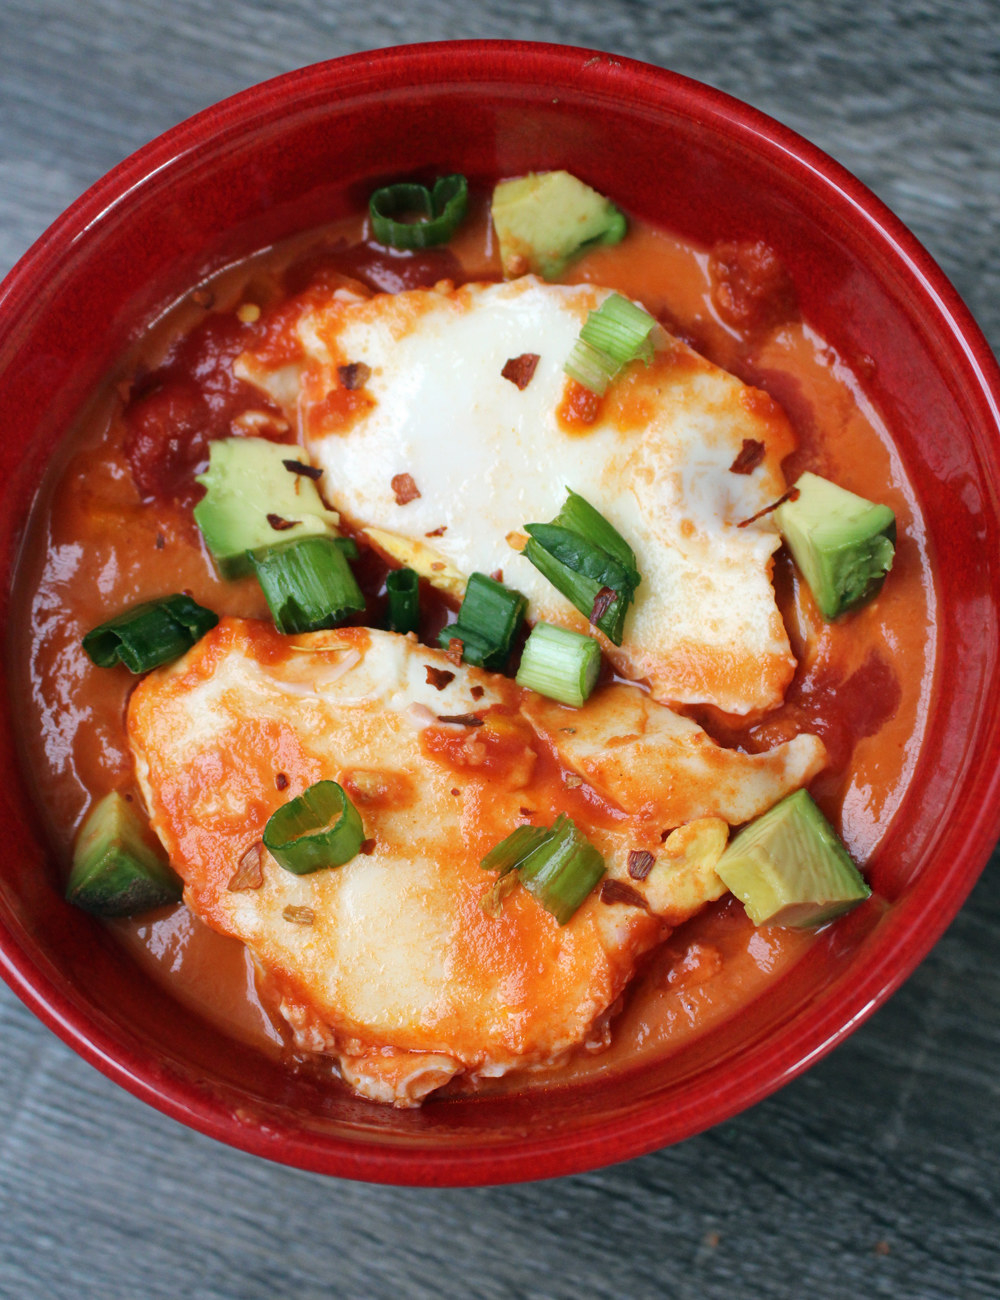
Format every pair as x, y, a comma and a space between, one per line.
750, 288
174, 411
114, 526
579, 408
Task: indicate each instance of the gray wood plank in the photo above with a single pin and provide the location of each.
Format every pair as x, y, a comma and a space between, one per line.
873, 1175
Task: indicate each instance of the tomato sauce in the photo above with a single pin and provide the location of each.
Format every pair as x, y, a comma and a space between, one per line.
113, 526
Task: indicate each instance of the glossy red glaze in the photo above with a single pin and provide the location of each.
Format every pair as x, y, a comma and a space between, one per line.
308, 147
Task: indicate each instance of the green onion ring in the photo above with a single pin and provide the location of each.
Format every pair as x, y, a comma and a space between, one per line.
442, 210
147, 635
320, 828
402, 591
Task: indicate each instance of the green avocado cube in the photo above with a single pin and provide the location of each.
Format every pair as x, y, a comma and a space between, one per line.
253, 501
545, 219
117, 868
842, 544
790, 868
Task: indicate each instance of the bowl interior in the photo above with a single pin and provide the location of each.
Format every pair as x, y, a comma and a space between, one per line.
307, 148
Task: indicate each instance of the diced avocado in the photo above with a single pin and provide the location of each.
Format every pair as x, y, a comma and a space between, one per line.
842, 543
545, 219
250, 491
789, 867
117, 871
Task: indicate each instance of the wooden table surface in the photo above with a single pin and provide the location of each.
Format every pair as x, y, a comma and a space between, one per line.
875, 1174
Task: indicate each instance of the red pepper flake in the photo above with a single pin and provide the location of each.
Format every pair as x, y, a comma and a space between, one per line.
521, 370
791, 495
461, 719
298, 467
476, 692
437, 566
527, 812
405, 489
281, 781
438, 677
354, 375
640, 863
497, 575
749, 457
455, 790
616, 891
437, 532
160, 542
603, 601
281, 525
250, 872
367, 847
299, 915
456, 648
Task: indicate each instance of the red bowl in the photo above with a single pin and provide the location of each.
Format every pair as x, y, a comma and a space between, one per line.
305, 148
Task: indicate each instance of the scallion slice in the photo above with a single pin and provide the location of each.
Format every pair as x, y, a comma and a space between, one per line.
402, 589
487, 622
307, 584
621, 329
614, 334
116, 869
562, 871
580, 591
579, 516
590, 367
438, 211
559, 868
347, 546
582, 555
320, 828
150, 634
512, 851
560, 664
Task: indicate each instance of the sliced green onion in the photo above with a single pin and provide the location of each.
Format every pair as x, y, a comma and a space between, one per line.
579, 516
621, 329
583, 556
560, 664
307, 584
439, 212
614, 334
116, 869
563, 870
580, 591
150, 634
402, 589
348, 546
512, 851
590, 367
320, 828
487, 622
557, 865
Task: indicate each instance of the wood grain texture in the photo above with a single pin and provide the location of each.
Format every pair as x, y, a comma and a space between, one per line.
874, 1175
